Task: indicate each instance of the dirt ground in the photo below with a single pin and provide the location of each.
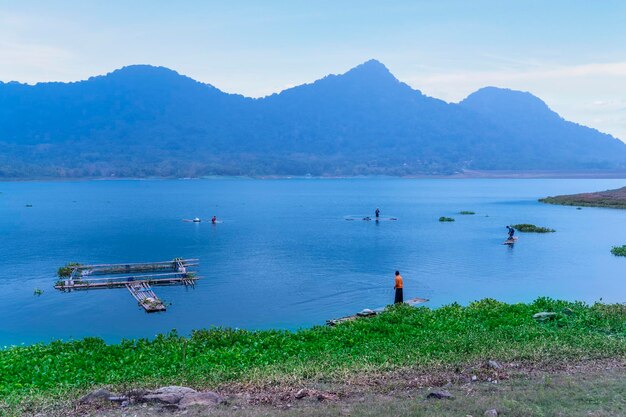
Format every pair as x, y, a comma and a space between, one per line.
596, 389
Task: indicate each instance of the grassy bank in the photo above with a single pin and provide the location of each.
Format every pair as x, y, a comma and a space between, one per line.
607, 199
401, 338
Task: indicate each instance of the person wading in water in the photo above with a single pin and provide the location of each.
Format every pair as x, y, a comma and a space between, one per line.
398, 286
511, 232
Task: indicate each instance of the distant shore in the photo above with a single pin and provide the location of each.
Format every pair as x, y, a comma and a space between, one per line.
469, 174
607, 199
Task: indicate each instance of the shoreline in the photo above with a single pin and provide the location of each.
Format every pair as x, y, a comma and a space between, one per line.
474, 174
613, 199
400, 345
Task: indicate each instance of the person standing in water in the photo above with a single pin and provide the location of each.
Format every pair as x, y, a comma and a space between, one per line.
377, 212
214, 220
398, 286
511, 232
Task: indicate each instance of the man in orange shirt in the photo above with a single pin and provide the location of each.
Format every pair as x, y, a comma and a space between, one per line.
398, 286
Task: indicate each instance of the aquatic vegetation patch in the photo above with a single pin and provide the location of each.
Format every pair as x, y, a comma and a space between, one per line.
446, 219
66, 270
466, 212
531, 228
401, 337
619, 250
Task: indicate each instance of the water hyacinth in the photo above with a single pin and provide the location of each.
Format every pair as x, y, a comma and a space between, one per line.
531, 228
619, 250
400, 337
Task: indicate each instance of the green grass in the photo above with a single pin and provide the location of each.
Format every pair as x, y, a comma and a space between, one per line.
401, 337
446, 219
581, 202
466, 212
531, 228
619, 250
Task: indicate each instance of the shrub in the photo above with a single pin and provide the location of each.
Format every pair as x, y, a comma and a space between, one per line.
619, 250
531, 228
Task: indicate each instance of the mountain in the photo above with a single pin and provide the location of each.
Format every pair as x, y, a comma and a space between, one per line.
151, 121
534, 136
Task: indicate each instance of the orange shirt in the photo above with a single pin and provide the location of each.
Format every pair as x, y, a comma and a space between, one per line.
398, 281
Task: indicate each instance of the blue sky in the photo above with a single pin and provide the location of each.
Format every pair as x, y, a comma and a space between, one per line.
572, 53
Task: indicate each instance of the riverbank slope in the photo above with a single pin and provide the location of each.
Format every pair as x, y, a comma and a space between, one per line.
608, 199
409, 345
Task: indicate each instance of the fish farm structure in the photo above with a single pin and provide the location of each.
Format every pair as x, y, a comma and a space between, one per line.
137, 278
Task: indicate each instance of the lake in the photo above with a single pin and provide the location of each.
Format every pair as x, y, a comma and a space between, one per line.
285, 256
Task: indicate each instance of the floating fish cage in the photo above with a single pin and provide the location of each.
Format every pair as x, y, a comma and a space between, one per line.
137, 278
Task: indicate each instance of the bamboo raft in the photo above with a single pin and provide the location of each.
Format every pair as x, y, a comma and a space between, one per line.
146, 297
137, 278
369, 313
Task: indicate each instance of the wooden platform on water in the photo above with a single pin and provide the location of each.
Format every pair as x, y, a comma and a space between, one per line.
146, 297
369, 313
137, 278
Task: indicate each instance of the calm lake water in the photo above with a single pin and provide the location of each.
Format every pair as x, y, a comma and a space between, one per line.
285, 256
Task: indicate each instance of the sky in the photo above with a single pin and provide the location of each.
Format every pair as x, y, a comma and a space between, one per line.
572, 54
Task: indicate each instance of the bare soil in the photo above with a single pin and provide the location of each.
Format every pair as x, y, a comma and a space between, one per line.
594, 388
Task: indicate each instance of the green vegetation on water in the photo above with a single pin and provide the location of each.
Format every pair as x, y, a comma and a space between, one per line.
446, 219
466, 212
531, 228
400, 338
66, 270
619, 250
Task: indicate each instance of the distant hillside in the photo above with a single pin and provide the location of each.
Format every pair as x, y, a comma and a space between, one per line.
608, 199
151, 121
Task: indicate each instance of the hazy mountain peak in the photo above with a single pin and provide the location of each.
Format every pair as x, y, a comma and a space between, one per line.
371, 70
499, 100
368, 80
141, 72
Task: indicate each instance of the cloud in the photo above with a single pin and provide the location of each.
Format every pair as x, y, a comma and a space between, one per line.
26, 52
614, 69
31, 60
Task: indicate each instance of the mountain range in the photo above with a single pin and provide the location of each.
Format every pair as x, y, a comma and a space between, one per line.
142, 121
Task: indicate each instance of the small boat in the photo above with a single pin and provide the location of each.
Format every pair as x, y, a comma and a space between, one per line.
196, 220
